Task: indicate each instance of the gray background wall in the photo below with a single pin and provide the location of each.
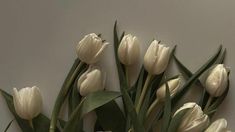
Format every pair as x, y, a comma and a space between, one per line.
38, 39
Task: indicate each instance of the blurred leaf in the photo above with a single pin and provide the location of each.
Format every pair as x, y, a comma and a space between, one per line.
8, 126
111, 117
62, 123
128, 104
194, 77
88, 104
167, 110
176, 120
98, 127
41, 123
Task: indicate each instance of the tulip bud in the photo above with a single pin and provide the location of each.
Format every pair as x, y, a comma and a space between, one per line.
217, 81
194, 119
129, 50
27, 102
173, 84
156, 58
89, 49
219, 125
90, 81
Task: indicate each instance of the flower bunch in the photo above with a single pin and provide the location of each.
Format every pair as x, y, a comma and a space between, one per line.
153, 98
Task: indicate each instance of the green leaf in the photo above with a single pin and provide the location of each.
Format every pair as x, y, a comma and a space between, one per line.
188, 74
88, 104
41, 123
74, 97
195, 76
8, 126
145, 105
205, 96
111, 117
182, 67
73, 73
176, 120
23, 124
151, 118
139, 85
128, 104
222, 57
167, 110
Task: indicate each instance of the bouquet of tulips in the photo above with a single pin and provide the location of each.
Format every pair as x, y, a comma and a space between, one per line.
150, 104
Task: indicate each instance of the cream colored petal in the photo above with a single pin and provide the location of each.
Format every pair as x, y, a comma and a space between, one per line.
173, 87
163, 59
17, 103
98, 53
150, 57
219, 125
92, 83
82, 78
217, 81
35, 102
122, 51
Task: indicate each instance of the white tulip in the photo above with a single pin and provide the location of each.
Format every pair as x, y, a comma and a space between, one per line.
129, 50
219, 125
27, 102
156, 58
217, 81
174, 85
90, 48
90, 81
194, 119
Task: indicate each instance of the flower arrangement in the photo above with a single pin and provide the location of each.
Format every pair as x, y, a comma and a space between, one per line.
151, 100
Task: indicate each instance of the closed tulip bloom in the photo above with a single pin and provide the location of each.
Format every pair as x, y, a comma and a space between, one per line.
156, 58
194, 119
129, 50
27, 102
217, 81
219, 125
174, 85
90, 81
90, 48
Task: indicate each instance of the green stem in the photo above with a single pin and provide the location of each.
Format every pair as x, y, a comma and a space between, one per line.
127, 76
143, 93
151, 114
62, 95
152, 107
208, 103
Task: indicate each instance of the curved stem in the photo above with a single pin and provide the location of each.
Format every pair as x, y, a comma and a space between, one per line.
151, 114
143, 93
62, 95
208, 103
152, 107
127, 76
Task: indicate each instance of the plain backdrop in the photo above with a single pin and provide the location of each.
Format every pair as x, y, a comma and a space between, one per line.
38, 39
